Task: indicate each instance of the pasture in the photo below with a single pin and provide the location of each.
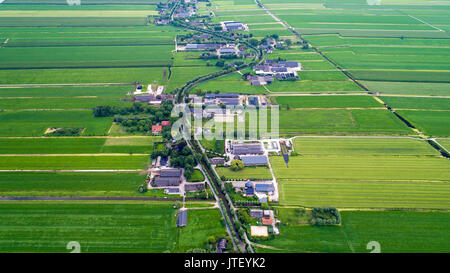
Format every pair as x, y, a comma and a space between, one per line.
348, 121
433, 123
327, 101
74, 162
98, 227
396, 231
35, 123
252, 173
365, 173
77, 145
70, 184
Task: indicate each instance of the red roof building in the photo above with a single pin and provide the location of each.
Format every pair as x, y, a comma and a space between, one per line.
165, 123
156, 129
267, 221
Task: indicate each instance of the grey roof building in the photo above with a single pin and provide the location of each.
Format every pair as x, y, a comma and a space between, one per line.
257, 160
194, 187
182, 218
256, 213
259, 187
217, 161
243, 149
168, 177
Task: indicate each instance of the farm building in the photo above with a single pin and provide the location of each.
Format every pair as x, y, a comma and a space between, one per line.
194, 187
258, 160
264, 188
156, 129
267, 221
172, 191
168, 177
256, 213
217, 161
247, 149
182, 218
249, 191
233, 25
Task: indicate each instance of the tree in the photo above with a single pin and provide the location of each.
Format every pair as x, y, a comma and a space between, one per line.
253, 42
288, 107
236, 165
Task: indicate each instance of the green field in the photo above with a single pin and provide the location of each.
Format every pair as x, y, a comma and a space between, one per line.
364, 173
252, 173
35, 123
74, 145
418, 103
327, 101
70, 184
81, 162
431, 123
396, 231
331, 121
103, 227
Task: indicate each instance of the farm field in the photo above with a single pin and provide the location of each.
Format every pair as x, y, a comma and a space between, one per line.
77, 145
74, 162
48, 227
408, 88
406, 232
70, 184
330, 121
327, 101
383, 174
35, 123
256, 173
432, 123
418, 103
444, 142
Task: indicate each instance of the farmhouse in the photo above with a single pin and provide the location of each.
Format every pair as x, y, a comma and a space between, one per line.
156, 129
283, 70
168, 177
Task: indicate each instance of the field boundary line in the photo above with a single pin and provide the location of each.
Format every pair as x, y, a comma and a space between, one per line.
93, 154
426, 23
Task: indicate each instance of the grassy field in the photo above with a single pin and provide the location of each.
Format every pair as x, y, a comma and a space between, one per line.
330, 121
418, 103
409, 88
82, 162
201, 224
396, 231
327, 101
252, 173
48, 227
197, 176
365, 173
101, 227
432, 123
74, 145
70, 184
35, 123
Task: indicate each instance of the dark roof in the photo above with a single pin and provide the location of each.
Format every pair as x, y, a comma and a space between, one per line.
229, 101
253, 100
194, 187
182, 218
249, 191
256, 213
167, 181
254, 160
144, 97
221, 95
170, 173
264, 187
279, 69
288, 64
217, 160
242, 149
163, 160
